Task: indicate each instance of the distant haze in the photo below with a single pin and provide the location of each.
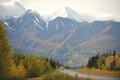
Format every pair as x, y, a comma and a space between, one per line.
99, 9
11, 8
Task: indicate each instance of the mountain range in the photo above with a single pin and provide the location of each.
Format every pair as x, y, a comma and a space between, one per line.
71, 38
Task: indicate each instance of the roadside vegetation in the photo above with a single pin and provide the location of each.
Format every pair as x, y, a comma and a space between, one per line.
107, 61
107, 64
35, 66
55, 75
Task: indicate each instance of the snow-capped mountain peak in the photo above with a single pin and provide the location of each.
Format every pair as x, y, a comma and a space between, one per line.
31, 20
31, 12
60, 13
33, 15
67, 12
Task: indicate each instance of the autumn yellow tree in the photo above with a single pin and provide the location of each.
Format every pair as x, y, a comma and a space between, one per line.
21, 71
6, 56
8, 69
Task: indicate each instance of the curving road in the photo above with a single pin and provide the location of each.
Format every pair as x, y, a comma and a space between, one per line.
73, 73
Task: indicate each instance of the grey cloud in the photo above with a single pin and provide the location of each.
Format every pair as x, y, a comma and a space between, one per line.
11, 9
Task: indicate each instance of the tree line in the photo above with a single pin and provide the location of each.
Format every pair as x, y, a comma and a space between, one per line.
107, 61
20, 66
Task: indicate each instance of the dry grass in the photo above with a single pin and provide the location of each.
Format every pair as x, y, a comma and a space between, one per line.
98, 72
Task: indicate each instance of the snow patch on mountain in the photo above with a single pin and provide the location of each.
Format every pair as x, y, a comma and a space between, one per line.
8, 27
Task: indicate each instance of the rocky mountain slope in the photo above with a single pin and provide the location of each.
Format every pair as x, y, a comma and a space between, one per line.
64, 39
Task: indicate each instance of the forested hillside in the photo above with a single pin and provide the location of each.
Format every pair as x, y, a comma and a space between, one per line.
107, 61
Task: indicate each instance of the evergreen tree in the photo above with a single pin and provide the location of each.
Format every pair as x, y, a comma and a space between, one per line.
6, 61
89, 63
114, 53
100, 62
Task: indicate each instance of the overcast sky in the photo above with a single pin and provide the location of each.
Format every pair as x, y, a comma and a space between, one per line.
96, 8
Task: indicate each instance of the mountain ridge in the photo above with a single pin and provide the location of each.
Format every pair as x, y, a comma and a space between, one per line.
63, 39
